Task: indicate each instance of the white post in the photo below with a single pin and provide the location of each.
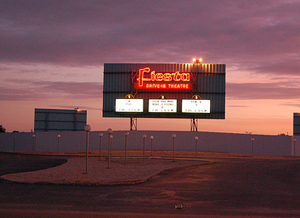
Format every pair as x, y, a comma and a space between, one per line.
174, 136
144, 139
252, 139
14, 149
151, 138
196, 147
100, 146
33, 142
109, 131
294, 140
58, 137
87, 128
126, 142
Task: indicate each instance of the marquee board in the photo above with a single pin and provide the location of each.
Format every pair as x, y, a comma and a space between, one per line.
164, 90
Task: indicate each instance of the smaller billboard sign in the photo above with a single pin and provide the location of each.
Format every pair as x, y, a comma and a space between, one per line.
162, 105
195, 106
59, 120
129, 105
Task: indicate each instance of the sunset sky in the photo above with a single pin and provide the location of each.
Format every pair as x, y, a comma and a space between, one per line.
52, 55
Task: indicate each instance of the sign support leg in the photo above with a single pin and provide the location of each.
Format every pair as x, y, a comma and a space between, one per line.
194, 125
133, 123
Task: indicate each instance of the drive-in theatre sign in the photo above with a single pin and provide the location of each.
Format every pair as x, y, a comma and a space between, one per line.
156, 80
164, 90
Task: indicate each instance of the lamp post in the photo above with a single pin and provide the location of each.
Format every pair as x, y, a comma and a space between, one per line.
151, 138
33, 142
294, 140
252, 140
58, 137
144, 139
174, 136
100, 146
126, 142
87, 128
196, 147
14, 149
109, 131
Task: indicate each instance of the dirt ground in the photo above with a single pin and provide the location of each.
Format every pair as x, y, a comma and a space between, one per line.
138, 167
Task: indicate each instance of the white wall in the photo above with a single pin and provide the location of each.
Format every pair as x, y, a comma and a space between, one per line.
295, 146
185, 141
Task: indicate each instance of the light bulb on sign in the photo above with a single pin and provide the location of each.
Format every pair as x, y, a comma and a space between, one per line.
197, 61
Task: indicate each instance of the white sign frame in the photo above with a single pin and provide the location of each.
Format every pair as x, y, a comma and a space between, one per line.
162, 106
129, 105
195, 106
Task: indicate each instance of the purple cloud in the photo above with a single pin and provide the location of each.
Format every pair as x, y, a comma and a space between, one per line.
253, 35
22, 90
273, 90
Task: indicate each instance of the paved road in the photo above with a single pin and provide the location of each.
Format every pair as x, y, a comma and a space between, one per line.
228, 187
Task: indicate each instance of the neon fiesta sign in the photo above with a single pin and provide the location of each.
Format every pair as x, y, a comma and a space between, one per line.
152, 80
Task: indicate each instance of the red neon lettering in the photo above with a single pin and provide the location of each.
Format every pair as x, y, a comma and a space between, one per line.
164, 86
185, 77
159, 77
153, 76
168, 76
177, 76
179, 86
141, 75
156, 86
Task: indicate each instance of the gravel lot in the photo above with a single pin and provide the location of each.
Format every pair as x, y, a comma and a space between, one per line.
136, 170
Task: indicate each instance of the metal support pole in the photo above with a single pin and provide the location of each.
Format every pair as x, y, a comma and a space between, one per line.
109, 131
100, 146
14, 149
87, 151
109, 146
33, 142
58, 138
174, 136
87, 128
151, 138
196, 147
144, 139
294, 147
252, 149
133, 123
194, 125
126, 142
